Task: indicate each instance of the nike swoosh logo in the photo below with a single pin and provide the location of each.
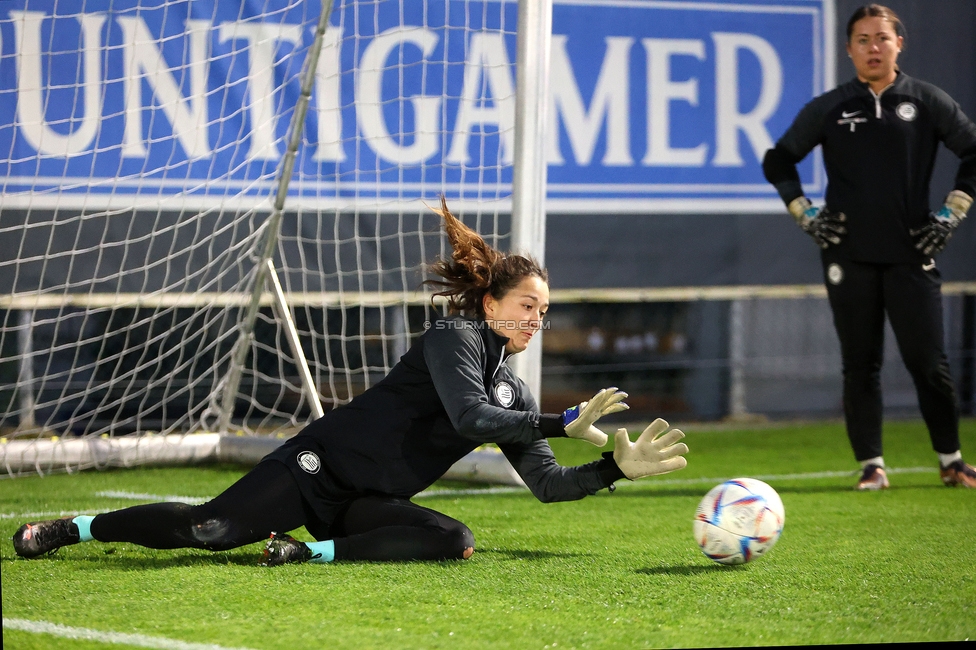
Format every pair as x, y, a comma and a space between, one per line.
929, 266
846, 115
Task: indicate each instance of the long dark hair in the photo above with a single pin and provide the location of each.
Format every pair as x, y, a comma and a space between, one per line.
475, 269
876, 11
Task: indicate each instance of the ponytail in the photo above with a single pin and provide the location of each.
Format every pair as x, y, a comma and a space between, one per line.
475, 268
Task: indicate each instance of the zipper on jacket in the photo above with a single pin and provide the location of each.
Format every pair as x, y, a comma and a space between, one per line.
501, 361
877, 99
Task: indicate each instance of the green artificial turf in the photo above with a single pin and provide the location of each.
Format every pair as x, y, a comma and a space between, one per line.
615, 570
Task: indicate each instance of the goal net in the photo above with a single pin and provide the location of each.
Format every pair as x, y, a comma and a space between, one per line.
159, 178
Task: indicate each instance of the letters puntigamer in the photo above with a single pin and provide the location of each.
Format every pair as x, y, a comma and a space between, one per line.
641, 94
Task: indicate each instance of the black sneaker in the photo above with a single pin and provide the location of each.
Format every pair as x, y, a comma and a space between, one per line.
284, 549
41, 537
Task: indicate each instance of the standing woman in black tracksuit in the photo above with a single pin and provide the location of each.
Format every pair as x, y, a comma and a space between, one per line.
880, 133
348, 477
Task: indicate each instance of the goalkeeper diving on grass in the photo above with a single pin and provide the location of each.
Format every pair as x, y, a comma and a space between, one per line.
349, 476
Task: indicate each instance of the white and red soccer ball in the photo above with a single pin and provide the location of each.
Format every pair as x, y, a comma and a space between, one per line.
739, 521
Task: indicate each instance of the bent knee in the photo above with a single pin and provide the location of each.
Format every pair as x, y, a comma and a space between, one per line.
459, 543
214, 534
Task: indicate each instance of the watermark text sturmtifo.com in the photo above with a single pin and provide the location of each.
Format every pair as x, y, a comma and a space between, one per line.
453, 324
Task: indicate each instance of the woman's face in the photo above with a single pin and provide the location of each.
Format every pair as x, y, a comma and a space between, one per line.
874, 47
518, 314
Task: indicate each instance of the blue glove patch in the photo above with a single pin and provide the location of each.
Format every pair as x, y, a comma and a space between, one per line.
944, 214
571, 414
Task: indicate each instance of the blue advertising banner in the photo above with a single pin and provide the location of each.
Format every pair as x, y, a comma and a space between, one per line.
656, 106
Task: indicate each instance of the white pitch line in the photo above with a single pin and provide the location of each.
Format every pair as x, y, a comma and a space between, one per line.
136, 496
690, 481
800, 476
108, 494
139, 640
790, 477
464, 492
52, 514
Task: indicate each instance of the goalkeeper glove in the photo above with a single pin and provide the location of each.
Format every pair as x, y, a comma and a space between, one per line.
652, 454
824, 226
578, 421
933, 236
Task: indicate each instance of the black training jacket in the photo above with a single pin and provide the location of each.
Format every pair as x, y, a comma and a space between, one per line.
878, 152
450, 393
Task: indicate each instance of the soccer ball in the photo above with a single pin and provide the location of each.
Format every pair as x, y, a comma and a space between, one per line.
738, 521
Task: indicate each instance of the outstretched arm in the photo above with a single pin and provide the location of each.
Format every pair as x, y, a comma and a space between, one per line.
551, 482
548, 480
657, 450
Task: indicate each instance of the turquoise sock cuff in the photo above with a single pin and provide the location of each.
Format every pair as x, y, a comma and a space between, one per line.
322, 552
83, 522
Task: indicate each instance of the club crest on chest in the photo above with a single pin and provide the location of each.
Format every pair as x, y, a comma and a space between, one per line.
504, 393
906, 111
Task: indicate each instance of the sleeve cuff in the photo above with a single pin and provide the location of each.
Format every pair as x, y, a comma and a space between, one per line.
966, 188
789, 191
609, 471
551, 425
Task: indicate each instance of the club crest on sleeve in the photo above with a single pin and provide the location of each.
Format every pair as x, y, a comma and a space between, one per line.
906, 111
309, 462
504, 393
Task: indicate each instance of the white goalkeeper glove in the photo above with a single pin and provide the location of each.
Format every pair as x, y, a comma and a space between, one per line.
824, 226
652, 454
578, 421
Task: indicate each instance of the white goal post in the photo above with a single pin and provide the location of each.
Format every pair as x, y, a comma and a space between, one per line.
188, 252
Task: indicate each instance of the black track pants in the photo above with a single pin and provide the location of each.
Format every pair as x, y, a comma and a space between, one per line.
267, 499
860, 296
387, 528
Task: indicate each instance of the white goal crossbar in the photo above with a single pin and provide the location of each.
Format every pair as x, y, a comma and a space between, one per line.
49, 455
